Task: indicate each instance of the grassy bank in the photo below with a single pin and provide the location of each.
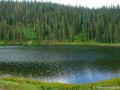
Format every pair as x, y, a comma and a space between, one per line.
88, 43
12, 83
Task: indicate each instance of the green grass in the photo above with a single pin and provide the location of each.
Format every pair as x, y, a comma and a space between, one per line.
56, 43
12, 83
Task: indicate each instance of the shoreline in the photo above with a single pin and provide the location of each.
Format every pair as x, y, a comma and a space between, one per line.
66, 44
17, 83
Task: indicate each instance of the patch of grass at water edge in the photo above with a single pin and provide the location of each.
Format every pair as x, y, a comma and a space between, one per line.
12, 83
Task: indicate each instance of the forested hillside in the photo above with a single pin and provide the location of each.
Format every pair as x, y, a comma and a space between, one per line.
50, 23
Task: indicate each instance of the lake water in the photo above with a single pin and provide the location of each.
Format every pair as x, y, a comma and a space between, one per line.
65, 64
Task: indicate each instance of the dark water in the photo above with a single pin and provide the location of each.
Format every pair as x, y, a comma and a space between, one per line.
66, 64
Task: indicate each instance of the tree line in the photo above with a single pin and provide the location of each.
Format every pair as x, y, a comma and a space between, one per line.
49, 23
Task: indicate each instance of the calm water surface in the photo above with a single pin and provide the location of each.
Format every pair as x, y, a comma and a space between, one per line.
66, 64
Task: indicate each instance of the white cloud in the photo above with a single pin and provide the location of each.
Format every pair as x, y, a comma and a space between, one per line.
88, 3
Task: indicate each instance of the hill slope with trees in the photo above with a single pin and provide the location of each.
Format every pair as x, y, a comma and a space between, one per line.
39, 22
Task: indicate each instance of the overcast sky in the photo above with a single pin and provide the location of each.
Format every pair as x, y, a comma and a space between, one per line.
88, 3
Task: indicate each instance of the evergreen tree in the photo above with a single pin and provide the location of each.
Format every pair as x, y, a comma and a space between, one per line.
41, 22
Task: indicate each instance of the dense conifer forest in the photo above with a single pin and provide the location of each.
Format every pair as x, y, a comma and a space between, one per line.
41, 22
